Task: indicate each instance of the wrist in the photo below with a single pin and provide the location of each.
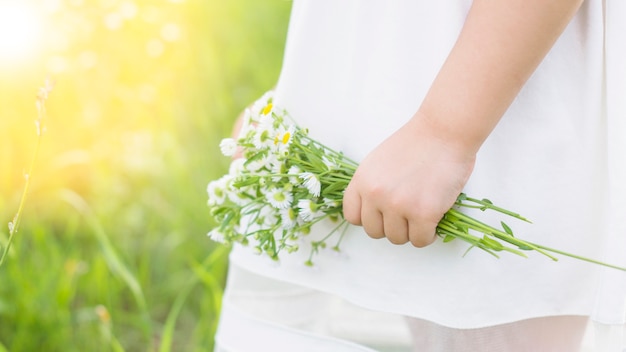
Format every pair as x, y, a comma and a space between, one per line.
455, 139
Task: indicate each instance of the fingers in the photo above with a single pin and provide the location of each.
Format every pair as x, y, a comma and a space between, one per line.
396, 226
372, 220
352, 206
422, 233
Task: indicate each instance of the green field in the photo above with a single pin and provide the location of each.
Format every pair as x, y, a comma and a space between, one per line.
112, 252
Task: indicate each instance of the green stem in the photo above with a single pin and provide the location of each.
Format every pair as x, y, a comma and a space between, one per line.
491, 206
41, 114
18, 216
343, 234
589, 260
491, 231
488, 230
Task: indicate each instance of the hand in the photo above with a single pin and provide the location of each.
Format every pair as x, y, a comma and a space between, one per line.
403, 188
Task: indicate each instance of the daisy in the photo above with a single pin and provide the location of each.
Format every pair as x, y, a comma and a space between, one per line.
277, 167
217, 191
307, 209
236, 167
261, 105
217, 235
267, 110
279, 198
331, 203
263, 136
331, 164
260, 165
294, 173
311, 183
268, 217
240, 196
271, 162
228, 146
283, 138
289, 218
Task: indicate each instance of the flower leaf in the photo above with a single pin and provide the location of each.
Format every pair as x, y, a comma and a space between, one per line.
506, 228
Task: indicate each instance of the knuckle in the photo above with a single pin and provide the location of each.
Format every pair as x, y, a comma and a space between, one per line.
398, 203
375, 190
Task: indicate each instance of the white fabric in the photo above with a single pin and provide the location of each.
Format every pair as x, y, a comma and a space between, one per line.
356, 70
258, 312
611, 305
241, 332
546, 334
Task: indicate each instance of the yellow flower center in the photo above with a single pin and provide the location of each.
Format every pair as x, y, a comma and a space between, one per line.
284, 140
267, 109
280, 197
286, 137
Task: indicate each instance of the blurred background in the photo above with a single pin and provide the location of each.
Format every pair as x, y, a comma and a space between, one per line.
112, 252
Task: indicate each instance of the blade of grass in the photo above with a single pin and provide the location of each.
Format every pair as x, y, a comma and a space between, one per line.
167, 337
213, 286
113, 260
39, 122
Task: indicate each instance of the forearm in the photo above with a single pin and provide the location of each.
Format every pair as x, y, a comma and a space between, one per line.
499, 47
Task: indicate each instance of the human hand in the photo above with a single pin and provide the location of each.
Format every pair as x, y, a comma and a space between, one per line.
403, 188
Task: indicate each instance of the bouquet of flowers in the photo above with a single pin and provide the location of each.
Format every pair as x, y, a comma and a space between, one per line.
285, 182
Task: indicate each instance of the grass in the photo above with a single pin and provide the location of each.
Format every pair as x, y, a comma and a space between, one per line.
111, 253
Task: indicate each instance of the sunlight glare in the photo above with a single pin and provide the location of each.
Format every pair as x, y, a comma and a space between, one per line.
20, 30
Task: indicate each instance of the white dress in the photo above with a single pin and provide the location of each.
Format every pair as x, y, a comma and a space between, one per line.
355, 70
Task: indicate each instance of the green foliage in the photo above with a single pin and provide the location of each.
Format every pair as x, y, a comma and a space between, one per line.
112, 252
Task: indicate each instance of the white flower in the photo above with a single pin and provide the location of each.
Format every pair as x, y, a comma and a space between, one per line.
266, 122
279, 198
261, 105
264, 136
263, 165
217, 235
253, 166
238, 198
294, 174
236, 167
283, 138
330, 203
247, 130
241, 195
289, 218
331, 164
264, 162
222, 189
217, 191
268, 216
307, 209
311, 183
277, 166
228, 146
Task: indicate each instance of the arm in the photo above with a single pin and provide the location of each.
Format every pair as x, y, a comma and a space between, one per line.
405, 185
